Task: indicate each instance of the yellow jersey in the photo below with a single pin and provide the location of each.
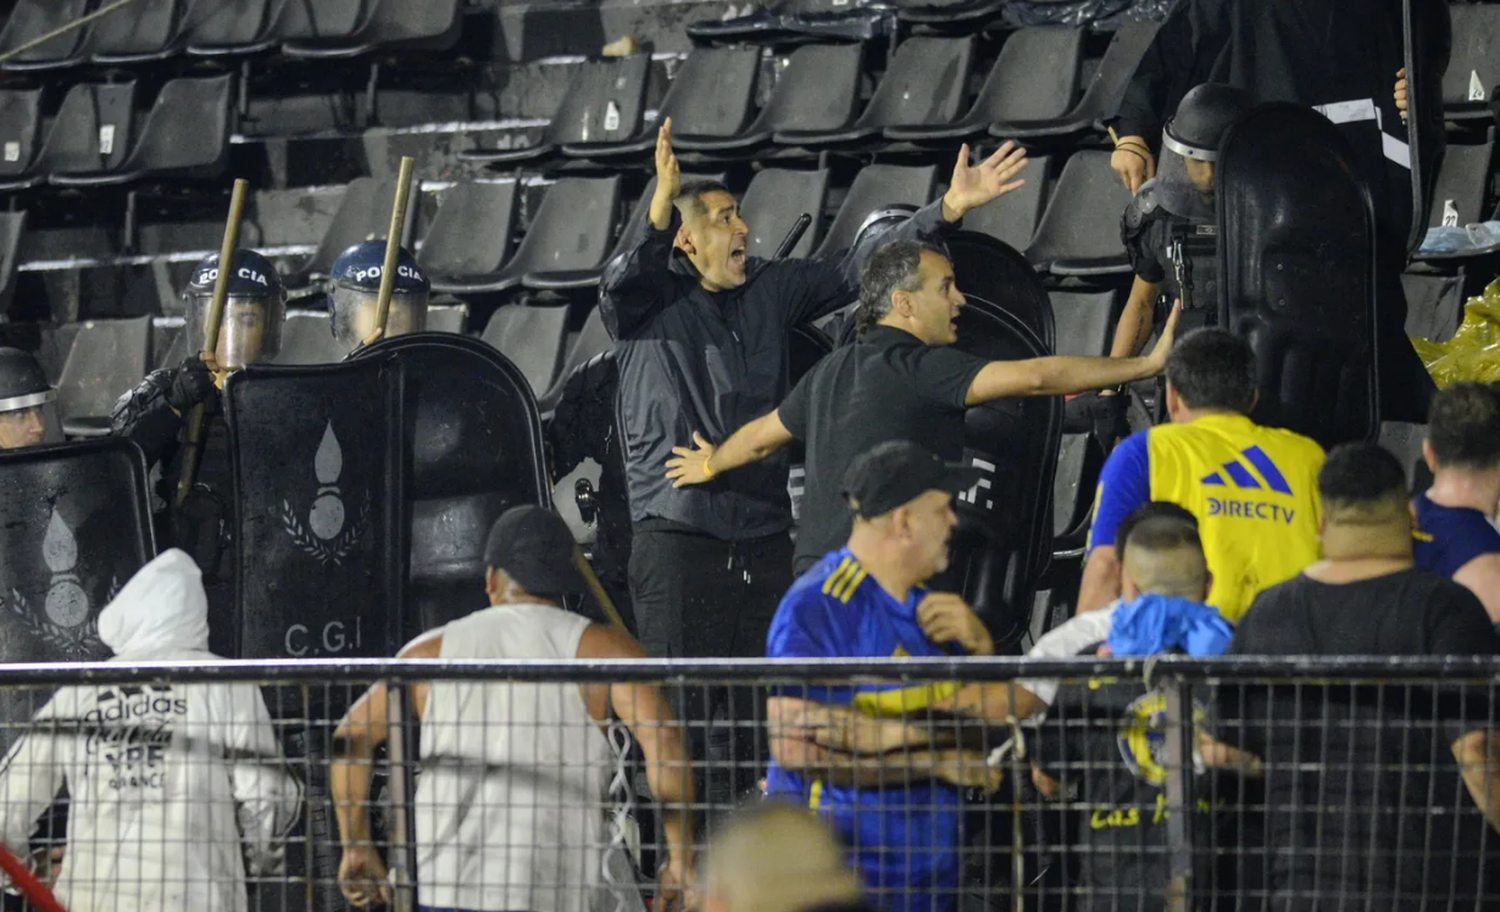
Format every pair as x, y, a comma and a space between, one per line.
1253, 489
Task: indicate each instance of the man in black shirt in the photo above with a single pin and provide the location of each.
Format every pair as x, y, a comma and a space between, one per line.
1362, 786
901, 380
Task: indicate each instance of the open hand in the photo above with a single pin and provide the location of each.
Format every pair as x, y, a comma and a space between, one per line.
690, 466
974, 185
1163, 347
1401, 92
1132, 161
668, 179
946, 618
362, 877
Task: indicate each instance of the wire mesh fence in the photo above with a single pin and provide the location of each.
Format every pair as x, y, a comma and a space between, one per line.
565, 787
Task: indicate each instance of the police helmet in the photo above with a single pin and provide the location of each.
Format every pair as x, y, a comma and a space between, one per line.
254, 309
356, 287
1204, 115
27, 402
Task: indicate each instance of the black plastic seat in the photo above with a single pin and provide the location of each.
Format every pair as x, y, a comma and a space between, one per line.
107, 359
471, 234
926, 85
307, 338
876, 187
710, 100
774, 201
592, 340
92, 131
321, 20
1083, 328
532, 338
363, 213
1035, 78
1080, 232
1434, 305
144, 31
1102, 98
20, 122
12, 224
1459, 194
1474, 64
568, 237
185, 135
430, 25
229, 27
1013, 217
604, 102
818, 91
31, 19
448, 318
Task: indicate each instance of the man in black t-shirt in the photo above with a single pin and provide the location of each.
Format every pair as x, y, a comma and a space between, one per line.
1363, 791
901, 380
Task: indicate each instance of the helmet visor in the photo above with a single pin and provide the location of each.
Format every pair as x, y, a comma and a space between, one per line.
1184, 186
354, 314
249, 331
29, 420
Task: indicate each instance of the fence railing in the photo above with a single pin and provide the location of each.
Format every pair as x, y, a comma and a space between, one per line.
1162, 783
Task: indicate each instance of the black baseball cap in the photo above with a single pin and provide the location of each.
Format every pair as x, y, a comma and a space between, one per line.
535, 548
899, 471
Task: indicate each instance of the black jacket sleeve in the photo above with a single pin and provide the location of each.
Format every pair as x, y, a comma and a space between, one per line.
584, 418
638, 284
1183, 54
143, 415
813, 288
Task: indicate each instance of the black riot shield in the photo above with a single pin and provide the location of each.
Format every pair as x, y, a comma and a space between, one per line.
75, 525
1003, 543
476, 448
316, 455
991, 270
1297, 271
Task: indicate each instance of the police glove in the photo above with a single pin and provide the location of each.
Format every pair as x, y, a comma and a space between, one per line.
1100, 415
194, 383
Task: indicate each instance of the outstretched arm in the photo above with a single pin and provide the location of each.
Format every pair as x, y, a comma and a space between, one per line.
638, 284
1055, 376
751, 443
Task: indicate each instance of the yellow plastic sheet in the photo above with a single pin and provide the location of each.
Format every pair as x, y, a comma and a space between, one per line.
1474, 351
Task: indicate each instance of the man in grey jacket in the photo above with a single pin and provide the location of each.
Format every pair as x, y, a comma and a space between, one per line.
701, 335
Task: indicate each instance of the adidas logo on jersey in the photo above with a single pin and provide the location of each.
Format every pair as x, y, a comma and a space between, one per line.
1255, 473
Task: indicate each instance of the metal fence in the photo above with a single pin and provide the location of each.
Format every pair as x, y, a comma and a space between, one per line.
565, 787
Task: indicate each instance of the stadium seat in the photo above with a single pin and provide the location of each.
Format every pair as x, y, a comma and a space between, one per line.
185, 135
569, 241
168, 342
12, 224
364, 213
1474, 64
709, 100
874, 188
471, 234
428, 25
448, 318
775, 200
1013, 217
591, 340
1035, 78
307, 338
1079, 234
20, 122
1083, 328
31, 19
603, 103
532, 338
925, 86
315, 20
144, 31
108, 358
92, 131
1434, 305
817, 91
1462, 182
241, 27
1102, 97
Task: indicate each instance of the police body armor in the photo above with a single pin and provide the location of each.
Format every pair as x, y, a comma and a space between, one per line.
1297, 267
1168, 234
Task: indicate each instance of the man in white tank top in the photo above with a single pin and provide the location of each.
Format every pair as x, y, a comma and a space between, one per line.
510, 803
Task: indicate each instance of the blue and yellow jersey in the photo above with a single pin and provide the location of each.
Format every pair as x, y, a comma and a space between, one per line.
904, 840
1446, 538
1254, 490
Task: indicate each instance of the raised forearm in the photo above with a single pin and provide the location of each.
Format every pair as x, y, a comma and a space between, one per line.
997, 702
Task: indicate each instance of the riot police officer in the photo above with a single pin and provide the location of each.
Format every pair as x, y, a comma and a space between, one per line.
356, 286
1170, 233
27, 402
155, 413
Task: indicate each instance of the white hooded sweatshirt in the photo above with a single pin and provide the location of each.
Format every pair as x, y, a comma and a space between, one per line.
165, 782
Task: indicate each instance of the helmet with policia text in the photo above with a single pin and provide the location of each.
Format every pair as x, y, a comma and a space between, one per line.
254, 309
356, 288
28, 403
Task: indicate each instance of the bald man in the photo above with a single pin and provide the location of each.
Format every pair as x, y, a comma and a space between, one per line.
776, 857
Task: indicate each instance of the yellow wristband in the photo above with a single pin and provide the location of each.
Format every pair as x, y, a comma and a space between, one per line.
708, 471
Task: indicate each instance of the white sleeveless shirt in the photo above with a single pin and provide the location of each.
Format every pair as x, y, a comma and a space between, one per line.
510, 802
